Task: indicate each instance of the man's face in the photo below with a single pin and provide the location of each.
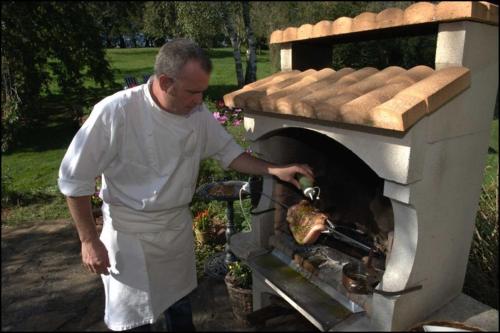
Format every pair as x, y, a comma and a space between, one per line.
184, 92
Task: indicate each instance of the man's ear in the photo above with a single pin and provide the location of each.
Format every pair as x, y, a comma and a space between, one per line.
165, 82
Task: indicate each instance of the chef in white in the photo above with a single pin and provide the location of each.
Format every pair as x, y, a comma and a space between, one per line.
147, 143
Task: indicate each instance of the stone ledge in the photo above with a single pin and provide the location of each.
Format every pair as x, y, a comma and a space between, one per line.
243, 247
469, 311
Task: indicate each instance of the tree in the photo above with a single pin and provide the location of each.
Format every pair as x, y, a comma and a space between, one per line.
227, 16
199, 20
117, 19
60, 36
251, 70
160, 20
202, 22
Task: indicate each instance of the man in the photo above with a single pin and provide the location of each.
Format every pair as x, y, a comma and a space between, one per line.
147, 143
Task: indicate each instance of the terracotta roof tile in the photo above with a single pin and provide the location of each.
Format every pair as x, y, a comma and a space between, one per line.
392, 98
448, 10
418, 13
364, 21
322, 28
390, 17
284, 101
342, 25
304, 31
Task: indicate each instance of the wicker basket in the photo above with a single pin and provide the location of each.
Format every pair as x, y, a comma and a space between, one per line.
241, 301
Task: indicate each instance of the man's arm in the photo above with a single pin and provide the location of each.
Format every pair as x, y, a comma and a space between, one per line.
94, 253
245, 163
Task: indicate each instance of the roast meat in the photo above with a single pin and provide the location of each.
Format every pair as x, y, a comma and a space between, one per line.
306, 223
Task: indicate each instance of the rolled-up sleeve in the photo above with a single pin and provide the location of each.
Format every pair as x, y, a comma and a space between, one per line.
220, 144
90, 152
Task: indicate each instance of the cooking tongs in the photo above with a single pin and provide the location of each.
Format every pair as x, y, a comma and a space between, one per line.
332, 230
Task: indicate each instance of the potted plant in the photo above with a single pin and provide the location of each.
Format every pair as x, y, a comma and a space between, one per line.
201, 226
239, 286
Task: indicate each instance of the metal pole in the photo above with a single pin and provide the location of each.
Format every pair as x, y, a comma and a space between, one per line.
230, 257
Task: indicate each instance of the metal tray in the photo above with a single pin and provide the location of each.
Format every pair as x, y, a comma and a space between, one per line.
229, 190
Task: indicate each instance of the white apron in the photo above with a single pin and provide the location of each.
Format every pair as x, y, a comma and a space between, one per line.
149, 271
152, 253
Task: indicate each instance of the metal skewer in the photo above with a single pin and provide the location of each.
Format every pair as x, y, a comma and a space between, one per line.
275, 201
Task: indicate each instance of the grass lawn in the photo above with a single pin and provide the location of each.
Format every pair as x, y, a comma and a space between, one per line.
490, 172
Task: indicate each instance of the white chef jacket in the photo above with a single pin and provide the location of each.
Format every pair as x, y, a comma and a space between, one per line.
149, 161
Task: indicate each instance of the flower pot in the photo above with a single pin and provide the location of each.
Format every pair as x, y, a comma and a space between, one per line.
202, 237
241, 301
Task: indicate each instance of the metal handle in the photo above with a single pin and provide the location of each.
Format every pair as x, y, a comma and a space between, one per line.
399, 292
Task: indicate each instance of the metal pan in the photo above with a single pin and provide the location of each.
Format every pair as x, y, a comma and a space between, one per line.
358, 278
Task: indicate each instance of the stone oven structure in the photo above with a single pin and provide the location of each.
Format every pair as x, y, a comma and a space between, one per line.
418, 137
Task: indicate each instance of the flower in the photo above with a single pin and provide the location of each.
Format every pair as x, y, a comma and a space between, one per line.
222, 119
227, 116
220, 104
202, 220
95, 200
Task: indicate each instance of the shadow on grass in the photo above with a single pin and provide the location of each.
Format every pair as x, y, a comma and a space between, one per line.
218, 53
13, 198
56, 121
216, 92
138, 73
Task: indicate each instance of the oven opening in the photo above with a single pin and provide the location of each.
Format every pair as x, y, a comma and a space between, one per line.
351, 197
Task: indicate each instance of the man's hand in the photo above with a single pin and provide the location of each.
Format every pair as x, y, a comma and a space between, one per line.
287, 172
246, 163
94, 254
95, 257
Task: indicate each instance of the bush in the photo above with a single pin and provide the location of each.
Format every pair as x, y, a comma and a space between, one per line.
11, 123
481, 281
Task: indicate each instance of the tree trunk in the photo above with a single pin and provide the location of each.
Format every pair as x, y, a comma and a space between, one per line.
122, 42
108, 41
251, 70
235, 43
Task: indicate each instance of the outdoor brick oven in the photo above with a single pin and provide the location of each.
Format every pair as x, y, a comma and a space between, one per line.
398, 153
